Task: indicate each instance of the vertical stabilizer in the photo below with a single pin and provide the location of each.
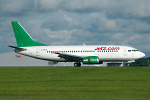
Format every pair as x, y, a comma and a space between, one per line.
23, 39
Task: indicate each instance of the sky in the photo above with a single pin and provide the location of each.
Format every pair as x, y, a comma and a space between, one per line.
78, 22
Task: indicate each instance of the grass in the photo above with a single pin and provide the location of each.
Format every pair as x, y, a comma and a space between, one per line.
70, 83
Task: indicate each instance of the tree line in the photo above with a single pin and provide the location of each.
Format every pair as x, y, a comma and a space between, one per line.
141, 62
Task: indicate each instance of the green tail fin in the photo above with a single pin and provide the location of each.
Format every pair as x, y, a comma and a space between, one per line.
22, 37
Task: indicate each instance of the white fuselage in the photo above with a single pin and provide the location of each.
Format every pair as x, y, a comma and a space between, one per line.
104, 52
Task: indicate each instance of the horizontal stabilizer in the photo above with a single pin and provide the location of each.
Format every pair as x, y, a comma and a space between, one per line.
22, 49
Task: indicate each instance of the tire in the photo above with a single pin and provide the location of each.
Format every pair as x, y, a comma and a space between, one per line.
77, 64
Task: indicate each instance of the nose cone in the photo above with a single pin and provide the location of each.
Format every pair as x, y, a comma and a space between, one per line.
142, 55
138, 55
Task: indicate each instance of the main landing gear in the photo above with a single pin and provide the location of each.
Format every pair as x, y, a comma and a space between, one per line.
77, 64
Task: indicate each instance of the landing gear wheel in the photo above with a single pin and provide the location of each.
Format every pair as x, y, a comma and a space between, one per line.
77, 64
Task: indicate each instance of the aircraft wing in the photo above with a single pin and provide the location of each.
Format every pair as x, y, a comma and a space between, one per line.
69, 57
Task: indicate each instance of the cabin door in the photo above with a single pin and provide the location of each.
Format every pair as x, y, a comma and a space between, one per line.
37, 52
125, 52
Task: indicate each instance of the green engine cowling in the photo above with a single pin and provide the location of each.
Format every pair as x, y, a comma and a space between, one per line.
91, 60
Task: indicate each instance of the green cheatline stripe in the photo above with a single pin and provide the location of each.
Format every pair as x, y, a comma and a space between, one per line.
22, 37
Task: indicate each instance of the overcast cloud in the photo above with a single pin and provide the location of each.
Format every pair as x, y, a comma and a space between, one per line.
74, 22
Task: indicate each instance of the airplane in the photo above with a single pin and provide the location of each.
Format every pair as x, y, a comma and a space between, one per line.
86, 54
20, 56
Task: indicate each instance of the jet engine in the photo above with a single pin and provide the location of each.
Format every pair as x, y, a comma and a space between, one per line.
91, 60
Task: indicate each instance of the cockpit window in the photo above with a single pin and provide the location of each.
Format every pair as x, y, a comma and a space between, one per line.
134, 50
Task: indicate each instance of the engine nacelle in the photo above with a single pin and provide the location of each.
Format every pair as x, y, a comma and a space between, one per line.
91, 60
